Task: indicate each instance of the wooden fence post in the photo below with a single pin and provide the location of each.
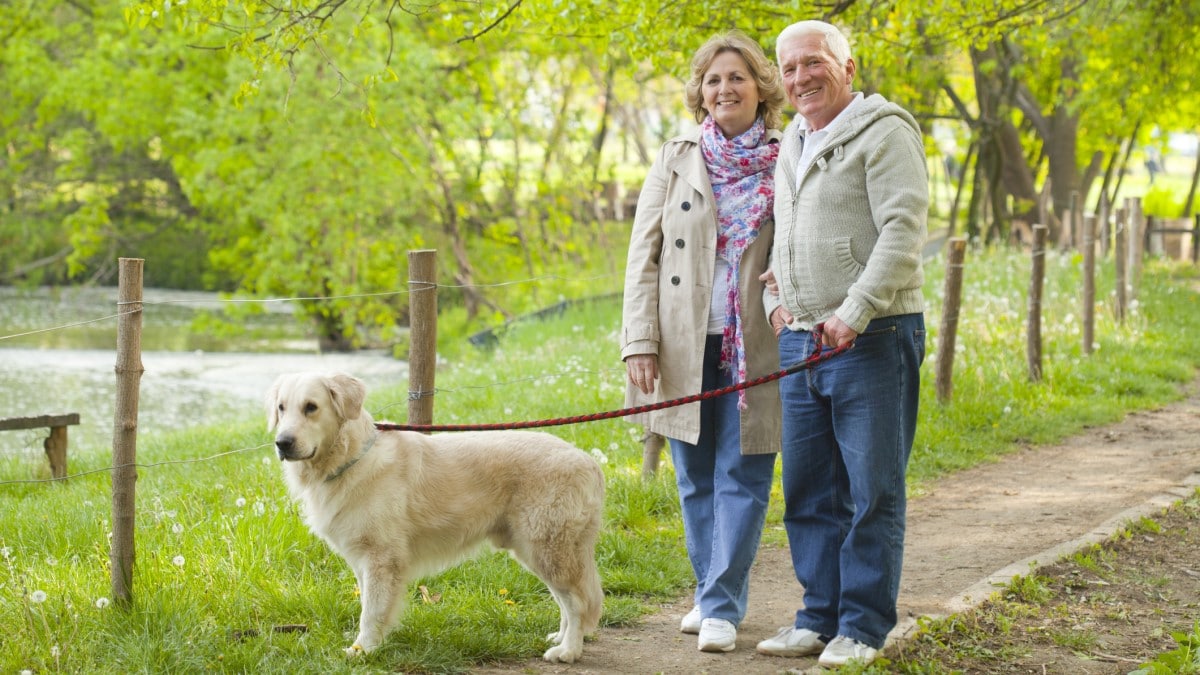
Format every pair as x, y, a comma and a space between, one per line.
1136, 229
1033, 344
1089, 283
948, 332
1102, 216
422, 318
124, 476
1120, 258
1196, 238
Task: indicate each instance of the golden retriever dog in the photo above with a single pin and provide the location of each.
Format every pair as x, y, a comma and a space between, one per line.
399, 505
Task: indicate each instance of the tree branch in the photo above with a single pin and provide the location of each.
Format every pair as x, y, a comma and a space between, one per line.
492, 25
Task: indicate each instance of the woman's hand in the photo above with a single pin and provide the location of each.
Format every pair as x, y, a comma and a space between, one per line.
768, 279
643, 371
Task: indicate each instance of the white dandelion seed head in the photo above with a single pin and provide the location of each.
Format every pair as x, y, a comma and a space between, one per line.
599, 455
241, 502
101, 603
37, 596
259, 508
177, 561
177, 528
1007, 409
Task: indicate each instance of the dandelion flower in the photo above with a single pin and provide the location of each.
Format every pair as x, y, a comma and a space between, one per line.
101, 603
241, 502
38, 596
177, 560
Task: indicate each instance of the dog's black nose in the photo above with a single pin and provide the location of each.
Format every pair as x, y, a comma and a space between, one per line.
283, 446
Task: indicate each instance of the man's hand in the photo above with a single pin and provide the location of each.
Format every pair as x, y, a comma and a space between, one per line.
780, 319
836, 333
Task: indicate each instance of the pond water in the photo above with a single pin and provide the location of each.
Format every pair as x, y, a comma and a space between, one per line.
55, 367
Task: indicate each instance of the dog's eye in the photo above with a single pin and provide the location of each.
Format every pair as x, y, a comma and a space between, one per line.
280, 407
310, 408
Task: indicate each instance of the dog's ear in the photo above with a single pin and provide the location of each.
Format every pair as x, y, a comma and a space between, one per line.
348, 394
273, 403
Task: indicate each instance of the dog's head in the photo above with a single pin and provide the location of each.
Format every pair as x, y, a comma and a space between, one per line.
307, 411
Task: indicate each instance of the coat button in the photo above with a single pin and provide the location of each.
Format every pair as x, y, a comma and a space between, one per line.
678, 243
674, 281
686, 206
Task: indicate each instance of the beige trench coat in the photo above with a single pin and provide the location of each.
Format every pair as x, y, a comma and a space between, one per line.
668, 290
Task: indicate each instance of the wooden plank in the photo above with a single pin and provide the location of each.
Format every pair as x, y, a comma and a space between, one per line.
38, 421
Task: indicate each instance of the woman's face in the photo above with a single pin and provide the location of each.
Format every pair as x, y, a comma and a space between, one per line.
730, 93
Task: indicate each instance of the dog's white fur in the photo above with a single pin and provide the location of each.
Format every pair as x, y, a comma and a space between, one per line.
398, 505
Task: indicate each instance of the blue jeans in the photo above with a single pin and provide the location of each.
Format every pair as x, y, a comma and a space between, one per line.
848, 428
723, 495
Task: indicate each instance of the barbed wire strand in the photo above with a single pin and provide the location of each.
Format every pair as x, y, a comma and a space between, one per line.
264, 301
138, 465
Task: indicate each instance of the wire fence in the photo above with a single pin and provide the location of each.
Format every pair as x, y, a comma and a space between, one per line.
147, 307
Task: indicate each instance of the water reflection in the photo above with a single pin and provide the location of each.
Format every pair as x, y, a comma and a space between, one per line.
64, 356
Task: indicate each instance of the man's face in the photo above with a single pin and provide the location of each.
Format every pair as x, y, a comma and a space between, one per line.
816, 84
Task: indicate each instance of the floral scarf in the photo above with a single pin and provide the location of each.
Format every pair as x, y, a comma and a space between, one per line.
742, 173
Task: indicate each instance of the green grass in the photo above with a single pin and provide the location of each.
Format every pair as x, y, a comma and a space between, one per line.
224, 559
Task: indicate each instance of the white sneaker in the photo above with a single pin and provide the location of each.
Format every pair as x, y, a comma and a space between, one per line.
842, 650
717, 635
691, 622
791, 641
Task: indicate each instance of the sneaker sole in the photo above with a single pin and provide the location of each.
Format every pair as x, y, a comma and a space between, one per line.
714, 648
790, 653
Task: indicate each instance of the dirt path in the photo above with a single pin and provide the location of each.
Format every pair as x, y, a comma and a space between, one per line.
971, 530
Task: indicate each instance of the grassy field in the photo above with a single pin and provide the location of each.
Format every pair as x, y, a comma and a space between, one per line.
228, 579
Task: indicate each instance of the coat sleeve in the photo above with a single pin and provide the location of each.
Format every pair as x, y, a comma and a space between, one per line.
640, 320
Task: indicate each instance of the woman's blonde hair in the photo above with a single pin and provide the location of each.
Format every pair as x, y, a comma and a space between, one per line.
765, 75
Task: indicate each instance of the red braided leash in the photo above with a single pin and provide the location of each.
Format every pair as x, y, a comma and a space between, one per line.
813, 359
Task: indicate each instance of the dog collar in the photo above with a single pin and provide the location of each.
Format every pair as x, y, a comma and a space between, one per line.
343, 468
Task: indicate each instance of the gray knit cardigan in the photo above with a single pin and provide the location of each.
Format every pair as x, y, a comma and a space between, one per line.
848, 238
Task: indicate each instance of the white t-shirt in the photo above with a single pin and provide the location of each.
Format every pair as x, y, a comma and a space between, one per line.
716, 309
813, 139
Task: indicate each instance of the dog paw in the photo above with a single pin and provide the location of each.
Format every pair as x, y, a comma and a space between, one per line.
561, 654
555, 637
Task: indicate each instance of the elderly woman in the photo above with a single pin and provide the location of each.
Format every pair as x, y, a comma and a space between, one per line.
694, 320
